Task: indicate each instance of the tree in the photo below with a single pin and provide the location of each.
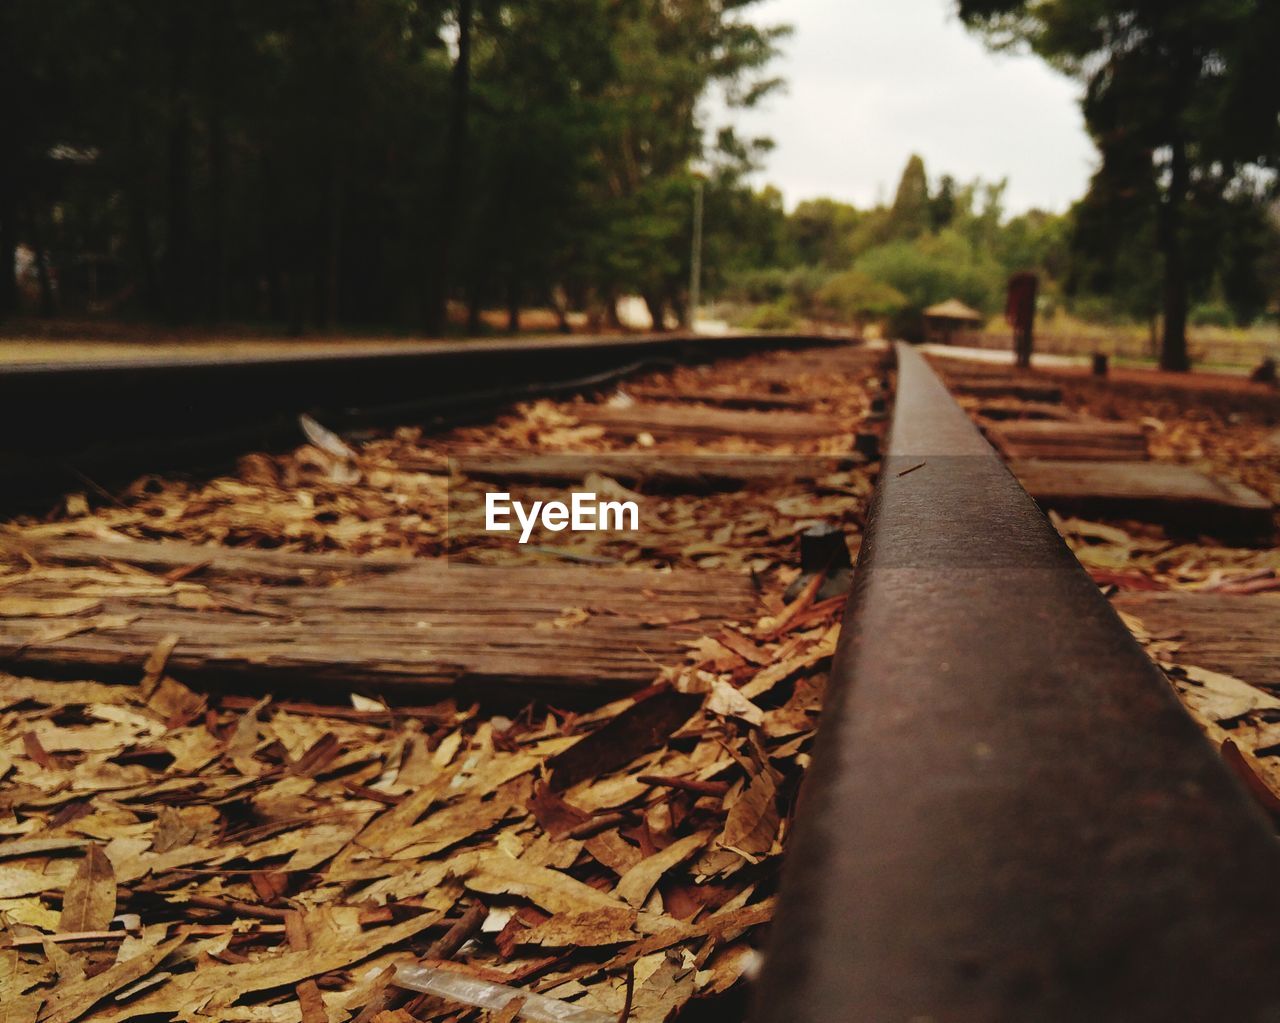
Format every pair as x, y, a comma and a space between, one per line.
942, 205
932, 269
39, 115
451, 181
668, 53
745, 229
322, 162
1035, 240
820, 232
909, 216
855, 296
1180, 97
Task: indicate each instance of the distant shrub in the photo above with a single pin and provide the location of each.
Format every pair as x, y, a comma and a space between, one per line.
773, 316
803, 285
765, 285
855, 297
1211, 314
776, 284
932, 269
1096, 309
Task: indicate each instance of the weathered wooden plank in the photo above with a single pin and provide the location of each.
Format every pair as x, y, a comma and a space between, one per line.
1007, 387
1237, 635
225, 561
654, 471
297, 620
1080, 441
1012, 408
833, 363
457, 579
709, 423
720, 396
1161, 492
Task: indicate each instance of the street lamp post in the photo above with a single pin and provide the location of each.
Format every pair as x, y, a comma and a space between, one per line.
695, 261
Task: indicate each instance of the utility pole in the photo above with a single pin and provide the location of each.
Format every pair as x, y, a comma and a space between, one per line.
695, 261
1020, 312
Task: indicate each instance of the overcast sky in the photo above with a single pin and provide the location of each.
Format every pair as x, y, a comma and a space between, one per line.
872, 81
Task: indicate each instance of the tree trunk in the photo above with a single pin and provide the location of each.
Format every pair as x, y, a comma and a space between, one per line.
611, 310
294, 299
1173, 350
8, 251
513, 305
333, 268
139, 190
178, 256
451, 185
222, 15
47, 303
272, 283
339, 85
680, 308
560, 301
473, 310
653, 302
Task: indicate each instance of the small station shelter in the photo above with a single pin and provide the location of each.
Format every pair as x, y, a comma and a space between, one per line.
950, 322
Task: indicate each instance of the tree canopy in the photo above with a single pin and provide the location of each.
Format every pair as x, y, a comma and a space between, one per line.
1182, 99
314, 162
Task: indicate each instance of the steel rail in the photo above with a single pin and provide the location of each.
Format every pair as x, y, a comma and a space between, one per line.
1009, 815
62, 424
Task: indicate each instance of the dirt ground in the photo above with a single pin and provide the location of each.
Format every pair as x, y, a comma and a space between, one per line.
83, 340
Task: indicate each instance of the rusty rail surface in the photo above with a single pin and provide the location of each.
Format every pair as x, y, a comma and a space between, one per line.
65, 425
1009, 815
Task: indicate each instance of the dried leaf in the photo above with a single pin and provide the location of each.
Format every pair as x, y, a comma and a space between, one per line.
753, 820
645, 725
70, 1002
553, 890
663, 993
310, 1003
172, 831
90, 899
1219, 697
223, 985
589, 928
636, 884
727, 701
14, 606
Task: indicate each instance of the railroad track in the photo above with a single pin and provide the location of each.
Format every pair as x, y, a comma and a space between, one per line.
98, 424
1008, 815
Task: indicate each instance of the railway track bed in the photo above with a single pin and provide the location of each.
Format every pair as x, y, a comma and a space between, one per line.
581, 828
352, 727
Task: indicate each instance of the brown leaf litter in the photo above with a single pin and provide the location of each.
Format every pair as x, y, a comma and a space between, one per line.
217, 856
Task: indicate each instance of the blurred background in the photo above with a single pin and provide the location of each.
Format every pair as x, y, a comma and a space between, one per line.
225, 168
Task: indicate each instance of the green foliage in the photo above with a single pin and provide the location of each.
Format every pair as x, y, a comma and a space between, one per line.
1034, 240
743, 229
943, 204
818, 232
1212, 314
855, 296
1097, 309
778, 315
758, 286
830, 260
933, 269
361, 162
909, 217
1180, 99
